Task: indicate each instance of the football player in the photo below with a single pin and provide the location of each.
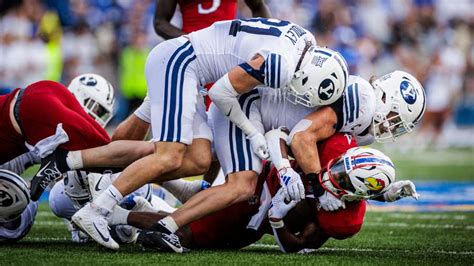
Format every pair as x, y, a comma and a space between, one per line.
255, 51
17, 211
244, 223
196, 15
29, 115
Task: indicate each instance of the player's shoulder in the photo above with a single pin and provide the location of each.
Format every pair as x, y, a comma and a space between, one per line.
358, 105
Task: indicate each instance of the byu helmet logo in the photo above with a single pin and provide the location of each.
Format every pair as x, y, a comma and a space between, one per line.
408, 92
5, 199
326, 89
88, 81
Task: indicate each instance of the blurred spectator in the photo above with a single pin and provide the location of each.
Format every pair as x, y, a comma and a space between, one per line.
132, 72
432, 39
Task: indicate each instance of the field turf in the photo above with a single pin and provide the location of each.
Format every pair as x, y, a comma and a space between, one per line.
395, 238
386, 238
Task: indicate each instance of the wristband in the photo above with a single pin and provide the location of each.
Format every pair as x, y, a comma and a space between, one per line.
277, 224
318, 190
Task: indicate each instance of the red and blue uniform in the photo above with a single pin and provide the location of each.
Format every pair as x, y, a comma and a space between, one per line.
228, 228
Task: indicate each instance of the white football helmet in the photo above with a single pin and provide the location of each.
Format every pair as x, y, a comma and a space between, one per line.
14, 196
96, 95
361, 173
321, 80
400, 104
76, 187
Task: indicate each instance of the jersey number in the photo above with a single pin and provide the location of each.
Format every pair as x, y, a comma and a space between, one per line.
215, 5
256, 28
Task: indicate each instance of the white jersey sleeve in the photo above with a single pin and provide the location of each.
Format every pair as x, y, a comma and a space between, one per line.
358, 108
144, 110
277, 70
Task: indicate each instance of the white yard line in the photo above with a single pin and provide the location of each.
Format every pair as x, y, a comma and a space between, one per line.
365, 250
418, 225
425, 216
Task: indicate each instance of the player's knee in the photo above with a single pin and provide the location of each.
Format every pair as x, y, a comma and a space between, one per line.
243, 184
201, 164
171, 159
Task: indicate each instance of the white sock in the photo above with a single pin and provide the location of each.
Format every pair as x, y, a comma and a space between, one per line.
169, 224
74, 160
109, 198
119, 216
182, 189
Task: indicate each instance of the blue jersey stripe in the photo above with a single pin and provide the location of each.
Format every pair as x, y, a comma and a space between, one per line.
278, 71
356, 94
350, 92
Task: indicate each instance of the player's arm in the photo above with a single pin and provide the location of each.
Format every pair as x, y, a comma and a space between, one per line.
290, 180
19, 164
315, 127
133, 128
258, 8
239, 80
309, 237
163, 13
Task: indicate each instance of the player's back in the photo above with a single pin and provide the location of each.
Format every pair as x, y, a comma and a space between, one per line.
227, 44
199, 14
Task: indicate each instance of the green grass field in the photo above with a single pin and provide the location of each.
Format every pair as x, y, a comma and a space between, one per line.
399, 238
386, 238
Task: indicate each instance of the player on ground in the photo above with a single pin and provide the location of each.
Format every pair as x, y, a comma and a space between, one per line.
244, 223
32, 114
253, 52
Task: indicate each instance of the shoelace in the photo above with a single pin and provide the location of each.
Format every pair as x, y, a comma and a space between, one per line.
173, 239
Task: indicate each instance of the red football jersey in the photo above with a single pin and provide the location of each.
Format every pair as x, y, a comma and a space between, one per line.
199, 14
45, 104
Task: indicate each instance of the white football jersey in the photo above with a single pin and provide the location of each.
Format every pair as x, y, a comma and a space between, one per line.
27, 220
227, 44
356, 110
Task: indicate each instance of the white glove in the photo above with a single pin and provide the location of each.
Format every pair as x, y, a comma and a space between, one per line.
47, 145
278, 208
330, 203
401, 189
259, 145
291, 184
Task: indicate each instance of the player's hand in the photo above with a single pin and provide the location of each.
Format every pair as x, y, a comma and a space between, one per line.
401, 189
291, 184
259, 145
329, 202
279, 208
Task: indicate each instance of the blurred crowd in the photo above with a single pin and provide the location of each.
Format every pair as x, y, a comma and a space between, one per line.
432, 39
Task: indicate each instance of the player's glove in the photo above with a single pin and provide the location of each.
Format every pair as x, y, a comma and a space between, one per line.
47, 145
259, 145
291, 184
401, 189
329, 202
279, 208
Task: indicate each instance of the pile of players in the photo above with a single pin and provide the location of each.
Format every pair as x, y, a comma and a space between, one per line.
276, 95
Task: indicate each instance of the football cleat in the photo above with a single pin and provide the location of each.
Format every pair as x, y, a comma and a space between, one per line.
93, 221
159, 241
124, 233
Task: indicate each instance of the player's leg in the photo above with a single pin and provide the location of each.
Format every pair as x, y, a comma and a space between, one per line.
238, 163
173, 96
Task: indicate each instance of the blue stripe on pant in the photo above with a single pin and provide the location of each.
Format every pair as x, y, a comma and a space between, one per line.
243, 161
174, 84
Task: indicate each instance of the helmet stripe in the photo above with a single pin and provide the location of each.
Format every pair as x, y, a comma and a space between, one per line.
370, 160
